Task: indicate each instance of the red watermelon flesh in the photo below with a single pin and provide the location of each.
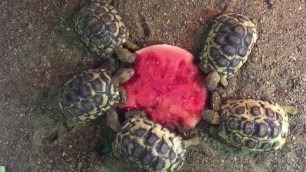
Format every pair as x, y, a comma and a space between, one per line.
167, 85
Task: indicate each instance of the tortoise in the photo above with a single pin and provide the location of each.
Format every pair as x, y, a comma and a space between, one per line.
92, 93
150, 145
227, 48
250, 124
103, 31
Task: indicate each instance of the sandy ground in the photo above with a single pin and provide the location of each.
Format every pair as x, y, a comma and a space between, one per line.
39, 51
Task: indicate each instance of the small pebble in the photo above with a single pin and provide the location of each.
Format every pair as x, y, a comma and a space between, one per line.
80, 164
223, 95
48, 76
270, 3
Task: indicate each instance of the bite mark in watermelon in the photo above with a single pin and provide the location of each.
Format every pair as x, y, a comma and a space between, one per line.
167, 85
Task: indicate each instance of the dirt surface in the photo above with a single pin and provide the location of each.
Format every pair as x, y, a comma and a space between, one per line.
39, 51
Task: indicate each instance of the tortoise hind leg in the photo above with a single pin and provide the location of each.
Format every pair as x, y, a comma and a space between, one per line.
108, 1
291, 110
230, 6
116, 149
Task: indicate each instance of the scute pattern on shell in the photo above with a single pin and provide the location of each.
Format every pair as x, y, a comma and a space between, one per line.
228, 44
100, 27
88, 95
150, 145
253, 124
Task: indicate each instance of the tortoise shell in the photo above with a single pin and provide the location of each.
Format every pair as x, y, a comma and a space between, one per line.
253, 124
228, 45
88, 95
100, 27
150, 145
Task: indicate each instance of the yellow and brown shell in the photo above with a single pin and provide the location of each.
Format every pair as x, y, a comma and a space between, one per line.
228, 45
88, 95
100, 27
150, 145
253, 124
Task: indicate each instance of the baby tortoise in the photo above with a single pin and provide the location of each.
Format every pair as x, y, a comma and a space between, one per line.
102, 30
227, 47
250, 124
92, 93
150, 145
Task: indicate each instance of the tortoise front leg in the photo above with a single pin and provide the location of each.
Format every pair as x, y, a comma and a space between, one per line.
122, 94
212, 80
211, 116
131, 46
125, 55
122, 76
112, 120
194, 141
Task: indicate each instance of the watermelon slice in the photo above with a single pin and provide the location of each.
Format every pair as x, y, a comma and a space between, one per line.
167, 85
